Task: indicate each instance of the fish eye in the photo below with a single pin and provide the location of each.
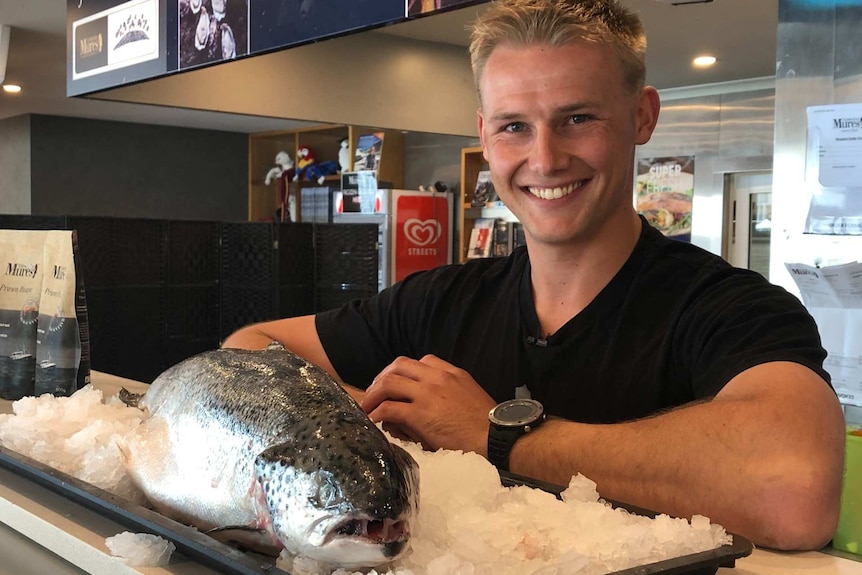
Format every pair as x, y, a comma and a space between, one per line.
327, 493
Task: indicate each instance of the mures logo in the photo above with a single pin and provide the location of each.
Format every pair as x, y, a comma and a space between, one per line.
90, 46
422, 232
21, 270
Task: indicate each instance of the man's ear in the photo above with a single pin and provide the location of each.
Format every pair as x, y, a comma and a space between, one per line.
480, 120
646, 116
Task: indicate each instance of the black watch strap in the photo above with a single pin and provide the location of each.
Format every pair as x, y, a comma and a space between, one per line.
500, 443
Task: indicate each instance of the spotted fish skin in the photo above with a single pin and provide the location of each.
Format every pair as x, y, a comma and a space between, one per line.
267, 440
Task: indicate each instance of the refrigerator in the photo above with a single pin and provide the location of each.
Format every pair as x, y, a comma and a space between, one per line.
414, 228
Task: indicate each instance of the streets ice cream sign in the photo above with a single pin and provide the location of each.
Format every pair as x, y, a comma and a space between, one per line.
423, 234
115, 38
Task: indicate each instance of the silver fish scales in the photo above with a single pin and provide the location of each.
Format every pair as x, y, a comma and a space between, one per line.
266, 440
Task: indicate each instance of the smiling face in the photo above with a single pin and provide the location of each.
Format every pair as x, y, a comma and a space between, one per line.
558, 129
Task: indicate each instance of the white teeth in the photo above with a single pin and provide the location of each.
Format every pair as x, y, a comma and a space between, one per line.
554, 193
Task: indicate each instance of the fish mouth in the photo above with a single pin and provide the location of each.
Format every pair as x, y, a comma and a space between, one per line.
374, 531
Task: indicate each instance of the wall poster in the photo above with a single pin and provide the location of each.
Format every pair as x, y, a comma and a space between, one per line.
663, 194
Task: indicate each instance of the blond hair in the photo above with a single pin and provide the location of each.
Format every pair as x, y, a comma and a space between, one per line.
557, 23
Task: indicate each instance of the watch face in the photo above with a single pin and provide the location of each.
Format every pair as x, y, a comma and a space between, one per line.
517, 412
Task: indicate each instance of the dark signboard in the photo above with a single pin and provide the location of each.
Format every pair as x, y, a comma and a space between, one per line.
113, 43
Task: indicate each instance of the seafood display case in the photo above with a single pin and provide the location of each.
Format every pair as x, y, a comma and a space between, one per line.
223, 558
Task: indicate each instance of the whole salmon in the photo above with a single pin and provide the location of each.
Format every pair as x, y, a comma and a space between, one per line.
268, 441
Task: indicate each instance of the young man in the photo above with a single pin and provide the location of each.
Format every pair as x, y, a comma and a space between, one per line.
674, 381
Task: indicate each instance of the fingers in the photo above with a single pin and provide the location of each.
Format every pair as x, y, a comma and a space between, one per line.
388, 385
397, 419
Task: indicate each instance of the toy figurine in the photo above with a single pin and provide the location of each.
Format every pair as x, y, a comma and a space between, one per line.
344, 155
308, 168
285, 173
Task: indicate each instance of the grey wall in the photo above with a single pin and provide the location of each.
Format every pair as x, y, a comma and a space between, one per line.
15, 165
432, 157
101, 168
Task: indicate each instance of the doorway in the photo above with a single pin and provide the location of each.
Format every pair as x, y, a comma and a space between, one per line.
748, 220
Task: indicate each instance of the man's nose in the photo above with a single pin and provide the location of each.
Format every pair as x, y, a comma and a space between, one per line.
547, 156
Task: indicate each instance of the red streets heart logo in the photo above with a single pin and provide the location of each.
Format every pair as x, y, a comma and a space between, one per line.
422, 232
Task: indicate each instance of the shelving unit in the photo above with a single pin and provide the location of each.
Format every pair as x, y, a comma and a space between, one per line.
472, 162
325, 141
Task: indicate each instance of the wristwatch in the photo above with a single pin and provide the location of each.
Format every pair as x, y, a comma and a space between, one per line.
509, 421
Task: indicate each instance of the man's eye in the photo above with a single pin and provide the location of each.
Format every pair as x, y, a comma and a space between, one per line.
578, 118
514, 127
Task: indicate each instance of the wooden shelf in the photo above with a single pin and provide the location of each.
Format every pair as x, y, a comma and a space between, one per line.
325, 141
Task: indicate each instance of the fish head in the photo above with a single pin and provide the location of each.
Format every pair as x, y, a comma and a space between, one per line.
346, 503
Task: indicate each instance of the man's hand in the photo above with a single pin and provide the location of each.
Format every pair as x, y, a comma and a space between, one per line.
431, 401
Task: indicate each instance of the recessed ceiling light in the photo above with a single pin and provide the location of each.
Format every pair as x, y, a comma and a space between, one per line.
11, 88
704, 61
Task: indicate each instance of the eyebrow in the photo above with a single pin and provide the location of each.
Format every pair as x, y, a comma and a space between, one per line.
561, 111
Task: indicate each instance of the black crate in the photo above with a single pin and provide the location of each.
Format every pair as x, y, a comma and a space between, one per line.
347, 255
247, 255
104, 330
191, 313
295, 254
193, 253
96, 249
139, 316
243, 305
139, 252
296, 300
247, 276
28, 222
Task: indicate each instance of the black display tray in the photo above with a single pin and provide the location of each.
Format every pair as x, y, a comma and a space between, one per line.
225, 559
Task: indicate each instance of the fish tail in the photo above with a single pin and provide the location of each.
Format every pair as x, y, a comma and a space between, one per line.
129, 398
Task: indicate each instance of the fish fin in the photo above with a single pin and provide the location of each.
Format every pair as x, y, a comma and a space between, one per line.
129, 398
275, 345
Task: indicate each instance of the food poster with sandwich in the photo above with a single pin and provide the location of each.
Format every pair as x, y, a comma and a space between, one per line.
663, 194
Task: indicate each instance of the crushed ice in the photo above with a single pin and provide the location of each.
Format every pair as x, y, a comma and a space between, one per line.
141, 549
468, 523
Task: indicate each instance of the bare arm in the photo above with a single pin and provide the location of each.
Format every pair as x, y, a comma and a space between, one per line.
298, 334
764, 458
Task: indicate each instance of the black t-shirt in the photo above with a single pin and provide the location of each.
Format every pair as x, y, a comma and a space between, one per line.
674, 325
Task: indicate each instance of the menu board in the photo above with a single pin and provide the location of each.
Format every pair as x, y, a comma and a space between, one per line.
112, 43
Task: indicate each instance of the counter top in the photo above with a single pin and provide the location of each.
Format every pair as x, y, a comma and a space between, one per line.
71, 538
764, 562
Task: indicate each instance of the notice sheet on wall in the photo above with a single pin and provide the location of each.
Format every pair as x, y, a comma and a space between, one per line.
833, 296
834, 169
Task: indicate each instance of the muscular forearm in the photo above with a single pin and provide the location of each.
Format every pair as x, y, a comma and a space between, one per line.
763, 467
